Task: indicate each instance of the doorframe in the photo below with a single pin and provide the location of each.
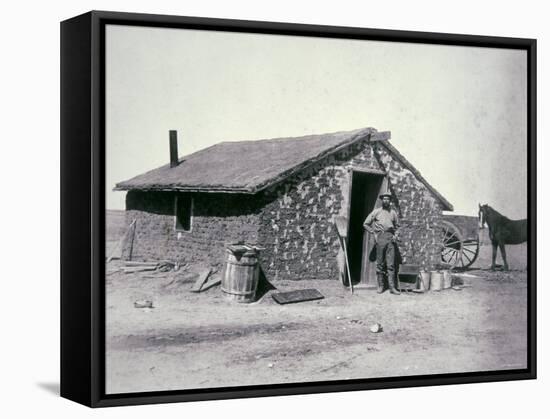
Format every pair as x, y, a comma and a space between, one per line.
350, 185
364, 170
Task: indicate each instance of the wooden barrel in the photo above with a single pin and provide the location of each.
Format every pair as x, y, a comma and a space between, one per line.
240, 276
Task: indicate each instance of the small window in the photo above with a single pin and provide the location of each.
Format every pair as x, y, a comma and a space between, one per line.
184, 212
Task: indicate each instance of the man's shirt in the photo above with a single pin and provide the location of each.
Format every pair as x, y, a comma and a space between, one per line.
382, 220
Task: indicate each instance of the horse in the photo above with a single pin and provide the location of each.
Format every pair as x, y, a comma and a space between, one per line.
502, 231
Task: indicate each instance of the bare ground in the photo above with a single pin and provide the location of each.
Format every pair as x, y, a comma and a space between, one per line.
193, 340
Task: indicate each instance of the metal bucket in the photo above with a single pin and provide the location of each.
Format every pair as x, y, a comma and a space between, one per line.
240, 274
436, 281
447, 280
423, 284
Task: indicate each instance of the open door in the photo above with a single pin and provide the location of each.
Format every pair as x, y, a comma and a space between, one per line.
365, 188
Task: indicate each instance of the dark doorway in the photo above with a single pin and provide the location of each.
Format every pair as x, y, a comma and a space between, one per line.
365, 188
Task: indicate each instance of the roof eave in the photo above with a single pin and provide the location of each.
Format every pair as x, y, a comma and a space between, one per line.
447, 206
149, 188
369, 134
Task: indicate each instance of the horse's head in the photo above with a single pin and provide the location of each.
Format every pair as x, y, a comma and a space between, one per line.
482, 215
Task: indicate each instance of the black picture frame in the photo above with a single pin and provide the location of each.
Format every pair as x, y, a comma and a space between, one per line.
83, 207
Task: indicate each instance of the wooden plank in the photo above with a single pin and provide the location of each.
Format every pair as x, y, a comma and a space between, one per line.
133, 269
117, 251
363, 286
297, 296
369, 171
203, 276
368, 268
380, 136
211, 283
132, 236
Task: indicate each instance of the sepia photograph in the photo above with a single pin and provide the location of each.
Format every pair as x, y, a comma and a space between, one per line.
285, 209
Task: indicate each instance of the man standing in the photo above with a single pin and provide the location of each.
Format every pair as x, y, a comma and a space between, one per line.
383, 223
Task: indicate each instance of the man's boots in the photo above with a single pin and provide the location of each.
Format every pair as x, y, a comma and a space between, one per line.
391, 283
380, 280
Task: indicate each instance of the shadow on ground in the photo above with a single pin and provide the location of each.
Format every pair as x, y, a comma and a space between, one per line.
52, 388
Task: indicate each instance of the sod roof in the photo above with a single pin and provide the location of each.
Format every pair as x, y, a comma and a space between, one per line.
250, 166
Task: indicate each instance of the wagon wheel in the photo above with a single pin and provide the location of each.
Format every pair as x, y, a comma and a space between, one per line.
451, 244
470, 250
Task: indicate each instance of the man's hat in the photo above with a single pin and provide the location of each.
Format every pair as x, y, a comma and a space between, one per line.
382, 195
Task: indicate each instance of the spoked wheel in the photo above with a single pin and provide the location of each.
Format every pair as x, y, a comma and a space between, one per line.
451, 243
470, 250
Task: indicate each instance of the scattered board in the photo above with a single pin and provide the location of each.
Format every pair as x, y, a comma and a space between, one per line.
297, 296
211, 283
135, 269
143, 304
117, 251
201, 280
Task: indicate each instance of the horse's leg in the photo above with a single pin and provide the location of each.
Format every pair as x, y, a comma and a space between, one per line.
503, 254
494, 256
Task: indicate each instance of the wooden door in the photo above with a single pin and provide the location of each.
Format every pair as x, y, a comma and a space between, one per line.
368, 268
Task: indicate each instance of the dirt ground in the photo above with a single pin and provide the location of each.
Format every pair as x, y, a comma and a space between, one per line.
203, 340
191, 340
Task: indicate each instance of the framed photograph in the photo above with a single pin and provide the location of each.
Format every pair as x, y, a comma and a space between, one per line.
255, 208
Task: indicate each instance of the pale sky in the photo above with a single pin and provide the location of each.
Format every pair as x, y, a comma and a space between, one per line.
458, 114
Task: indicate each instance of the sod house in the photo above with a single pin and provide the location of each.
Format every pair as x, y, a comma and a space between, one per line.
283, 195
